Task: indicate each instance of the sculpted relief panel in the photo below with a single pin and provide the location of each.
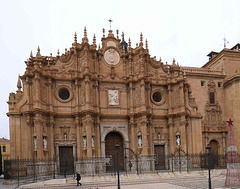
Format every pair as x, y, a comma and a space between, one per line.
113, 98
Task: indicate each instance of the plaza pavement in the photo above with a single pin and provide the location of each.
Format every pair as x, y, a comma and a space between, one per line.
165, 180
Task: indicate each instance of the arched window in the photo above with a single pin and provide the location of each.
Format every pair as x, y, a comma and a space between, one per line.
212, 98
4, 148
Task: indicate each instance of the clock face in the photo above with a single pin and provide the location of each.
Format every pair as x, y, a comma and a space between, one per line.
111, 56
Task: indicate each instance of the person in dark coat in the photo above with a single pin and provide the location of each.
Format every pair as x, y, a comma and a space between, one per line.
78, 179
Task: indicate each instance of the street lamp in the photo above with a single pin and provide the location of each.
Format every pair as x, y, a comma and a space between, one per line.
117, 147
208, 148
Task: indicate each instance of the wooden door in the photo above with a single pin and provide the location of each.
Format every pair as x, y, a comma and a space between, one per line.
66, 160
214, 152
111, 140
160, 157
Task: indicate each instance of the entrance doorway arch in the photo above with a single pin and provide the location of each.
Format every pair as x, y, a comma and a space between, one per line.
214, 151
111, 140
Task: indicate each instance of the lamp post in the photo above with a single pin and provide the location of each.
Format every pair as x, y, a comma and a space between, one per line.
208, 148
117, 147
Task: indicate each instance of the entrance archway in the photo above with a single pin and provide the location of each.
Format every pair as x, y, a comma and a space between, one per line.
214, 151
111, 140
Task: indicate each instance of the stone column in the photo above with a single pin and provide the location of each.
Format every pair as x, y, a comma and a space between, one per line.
131, 96
49, 83
51, 137
169, 99
37, 90
171, 136
38, 126
133, 138
79, 137
98, 138
18, 135
77, 95
89, 125
144, 135
30, 136
183, 133
143, 96
87, 84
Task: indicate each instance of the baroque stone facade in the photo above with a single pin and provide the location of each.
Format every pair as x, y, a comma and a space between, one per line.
85, 101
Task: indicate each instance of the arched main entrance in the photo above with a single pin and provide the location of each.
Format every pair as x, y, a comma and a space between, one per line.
111, 140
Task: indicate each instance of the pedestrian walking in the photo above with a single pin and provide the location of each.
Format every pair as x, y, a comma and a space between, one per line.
78, 178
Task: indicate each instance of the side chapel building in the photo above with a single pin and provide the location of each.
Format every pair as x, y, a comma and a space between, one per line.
85, 101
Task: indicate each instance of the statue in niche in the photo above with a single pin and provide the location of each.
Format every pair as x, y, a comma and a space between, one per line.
65, 136
35, 142
84, 141
139, 140
93, 142
178, 140
45, 142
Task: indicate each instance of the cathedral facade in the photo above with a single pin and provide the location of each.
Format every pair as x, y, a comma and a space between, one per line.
89, 99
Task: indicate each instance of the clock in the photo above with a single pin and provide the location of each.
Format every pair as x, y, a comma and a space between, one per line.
112, 57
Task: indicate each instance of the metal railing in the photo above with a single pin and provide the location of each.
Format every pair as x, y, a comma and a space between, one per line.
33, 170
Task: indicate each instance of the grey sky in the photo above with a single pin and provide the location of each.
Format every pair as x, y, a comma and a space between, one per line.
186, 30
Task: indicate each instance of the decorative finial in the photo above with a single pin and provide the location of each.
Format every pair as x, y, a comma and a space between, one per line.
31, 54
99, 46
65, 50
129, 42
173, 61
146, 44
58, 52
94, 39
141, 40
75, 37
110, 21
117, 33
19, 85
85, 31
38, 51
103, 32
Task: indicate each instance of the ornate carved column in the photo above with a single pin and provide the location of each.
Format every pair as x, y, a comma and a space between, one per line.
144, 135
171, 137
29, 123
131, 96
143, 96
169, 91
89, 125
49, 88
77, 95
183, 133
98, 138
79, 136
37, 90
181, 95
38, 121
133, 138
87, 84
51, 137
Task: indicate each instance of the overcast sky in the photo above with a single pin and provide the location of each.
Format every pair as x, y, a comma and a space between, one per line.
186, 30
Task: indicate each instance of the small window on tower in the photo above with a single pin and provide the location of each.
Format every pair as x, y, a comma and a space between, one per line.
219, 84
202, 83
4, 148
212, 98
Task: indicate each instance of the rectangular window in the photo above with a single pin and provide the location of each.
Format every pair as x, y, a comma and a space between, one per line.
4, 148
219, 84
202, 83
212, 98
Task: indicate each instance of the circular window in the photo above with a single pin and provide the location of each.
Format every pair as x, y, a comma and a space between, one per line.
64, 94
157, 97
